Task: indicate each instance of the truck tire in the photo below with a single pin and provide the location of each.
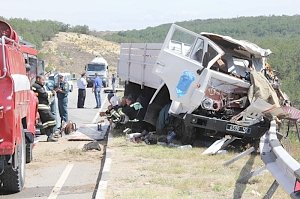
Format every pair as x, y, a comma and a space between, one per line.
29, 147
13, 179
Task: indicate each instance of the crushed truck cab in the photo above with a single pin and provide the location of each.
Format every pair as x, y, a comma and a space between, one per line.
217, 85
210, 84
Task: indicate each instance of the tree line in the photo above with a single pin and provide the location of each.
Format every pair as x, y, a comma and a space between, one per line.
281, 34
38, 31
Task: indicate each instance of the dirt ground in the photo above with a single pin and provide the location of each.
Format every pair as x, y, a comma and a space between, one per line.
49, 153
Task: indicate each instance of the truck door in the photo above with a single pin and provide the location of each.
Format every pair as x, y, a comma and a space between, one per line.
185, 55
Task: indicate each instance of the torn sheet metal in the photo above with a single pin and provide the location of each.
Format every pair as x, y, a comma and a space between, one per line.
240, 44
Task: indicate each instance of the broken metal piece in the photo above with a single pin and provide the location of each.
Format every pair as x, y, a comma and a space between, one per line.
219, 145
239, 156
254, 173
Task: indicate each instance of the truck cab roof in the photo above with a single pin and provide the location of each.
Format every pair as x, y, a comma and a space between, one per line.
245, 47
99, 60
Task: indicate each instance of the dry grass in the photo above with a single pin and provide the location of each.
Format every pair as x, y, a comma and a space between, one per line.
70, 52
154, 171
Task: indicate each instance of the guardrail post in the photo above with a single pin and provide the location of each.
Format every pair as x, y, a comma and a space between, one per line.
239, 156
271, 190
254, 173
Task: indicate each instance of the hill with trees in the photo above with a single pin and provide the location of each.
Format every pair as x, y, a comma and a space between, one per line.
281, 34
38, 31
65, 48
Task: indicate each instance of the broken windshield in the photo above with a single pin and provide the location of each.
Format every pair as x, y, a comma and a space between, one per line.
181, 42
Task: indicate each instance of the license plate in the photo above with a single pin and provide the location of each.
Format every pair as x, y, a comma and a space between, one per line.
237, 128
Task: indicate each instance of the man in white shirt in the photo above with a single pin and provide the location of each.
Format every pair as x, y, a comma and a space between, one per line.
81, 84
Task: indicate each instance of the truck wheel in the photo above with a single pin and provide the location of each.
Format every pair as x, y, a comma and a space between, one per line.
13, 179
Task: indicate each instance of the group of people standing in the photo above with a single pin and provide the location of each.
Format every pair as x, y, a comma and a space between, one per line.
82, 85
96, 89
47, 108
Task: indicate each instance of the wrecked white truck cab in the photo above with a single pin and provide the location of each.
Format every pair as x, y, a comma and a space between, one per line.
195, 75
217, 85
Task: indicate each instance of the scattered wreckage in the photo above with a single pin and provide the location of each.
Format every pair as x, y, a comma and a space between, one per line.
205, 84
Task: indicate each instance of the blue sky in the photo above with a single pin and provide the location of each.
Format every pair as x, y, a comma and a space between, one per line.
138, 14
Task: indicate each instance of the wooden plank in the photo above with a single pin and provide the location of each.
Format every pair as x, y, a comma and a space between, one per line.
123, 57
150, 77
124, 51
138, 45
125, 45
123, 69
137, 57
138, 51
132, 51
136, 71
151, 60
154, 45
133, 45
152, 52
142, 45
124, 61
136, 62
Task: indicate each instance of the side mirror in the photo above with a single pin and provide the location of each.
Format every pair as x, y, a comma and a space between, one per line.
85, 67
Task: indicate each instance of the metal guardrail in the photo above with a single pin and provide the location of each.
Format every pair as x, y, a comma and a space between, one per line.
284, 168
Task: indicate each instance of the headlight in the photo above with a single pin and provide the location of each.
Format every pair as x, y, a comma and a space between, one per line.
207, 104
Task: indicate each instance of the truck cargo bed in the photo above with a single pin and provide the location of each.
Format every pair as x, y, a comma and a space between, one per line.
136, 63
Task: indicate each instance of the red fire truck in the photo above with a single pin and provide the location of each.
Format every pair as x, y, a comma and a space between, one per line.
18, 109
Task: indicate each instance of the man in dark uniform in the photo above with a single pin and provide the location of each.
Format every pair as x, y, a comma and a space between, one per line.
47, 119
62, 90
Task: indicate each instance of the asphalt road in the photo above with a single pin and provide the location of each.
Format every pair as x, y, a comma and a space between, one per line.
61, 170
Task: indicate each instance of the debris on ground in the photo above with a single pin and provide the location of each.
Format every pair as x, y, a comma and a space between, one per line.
94, 145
